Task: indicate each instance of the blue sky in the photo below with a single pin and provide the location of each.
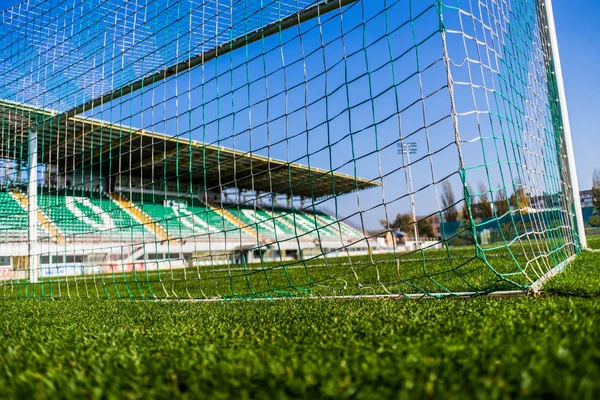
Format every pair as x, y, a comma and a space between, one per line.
580, 53
577, 27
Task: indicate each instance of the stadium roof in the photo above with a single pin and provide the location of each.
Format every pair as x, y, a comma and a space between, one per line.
76, 142
85, 143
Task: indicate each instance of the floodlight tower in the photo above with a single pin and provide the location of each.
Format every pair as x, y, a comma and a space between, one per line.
406, 149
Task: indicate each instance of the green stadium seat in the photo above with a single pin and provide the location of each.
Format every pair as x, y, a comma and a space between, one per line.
13, 217
185, 221
261, 221
80, 215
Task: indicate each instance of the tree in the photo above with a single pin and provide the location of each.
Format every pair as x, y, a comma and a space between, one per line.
484, 208
501, 202
403, 222
464, 210
596, 189
520, 200
594, 221
448, 200
465, 229
425, 228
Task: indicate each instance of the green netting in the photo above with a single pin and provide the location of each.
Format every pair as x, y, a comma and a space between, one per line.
250, 149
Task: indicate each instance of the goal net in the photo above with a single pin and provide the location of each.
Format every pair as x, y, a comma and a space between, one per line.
231, 149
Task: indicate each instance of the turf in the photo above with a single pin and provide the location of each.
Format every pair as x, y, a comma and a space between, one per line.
456, 269
546, 346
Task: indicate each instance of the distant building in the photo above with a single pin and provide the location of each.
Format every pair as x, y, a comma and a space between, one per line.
390, 238
586, 197
545, 201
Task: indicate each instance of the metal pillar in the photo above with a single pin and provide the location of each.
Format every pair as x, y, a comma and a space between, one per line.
32, 207
566, 125
408, 149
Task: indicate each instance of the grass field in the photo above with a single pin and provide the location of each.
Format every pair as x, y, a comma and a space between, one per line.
453, 269
547, 346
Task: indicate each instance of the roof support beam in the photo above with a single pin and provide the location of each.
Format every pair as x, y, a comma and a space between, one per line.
275, 27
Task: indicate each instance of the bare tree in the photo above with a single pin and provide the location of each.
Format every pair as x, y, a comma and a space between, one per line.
596, 189
448, 203
484, 208
501, 202
520, 200
465, 211
425, 228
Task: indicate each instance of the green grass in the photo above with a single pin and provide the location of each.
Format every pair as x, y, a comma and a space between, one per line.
594, 242
547, 346
456, 269
582, 277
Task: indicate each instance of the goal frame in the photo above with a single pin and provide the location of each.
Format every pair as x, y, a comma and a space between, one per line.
32, 148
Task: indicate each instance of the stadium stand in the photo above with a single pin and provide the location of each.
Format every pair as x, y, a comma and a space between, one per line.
315, 224
183, 221
260, 221
87, 214
13, 218
184, 215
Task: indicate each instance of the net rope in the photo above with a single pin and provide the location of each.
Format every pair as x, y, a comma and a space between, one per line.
244, 149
